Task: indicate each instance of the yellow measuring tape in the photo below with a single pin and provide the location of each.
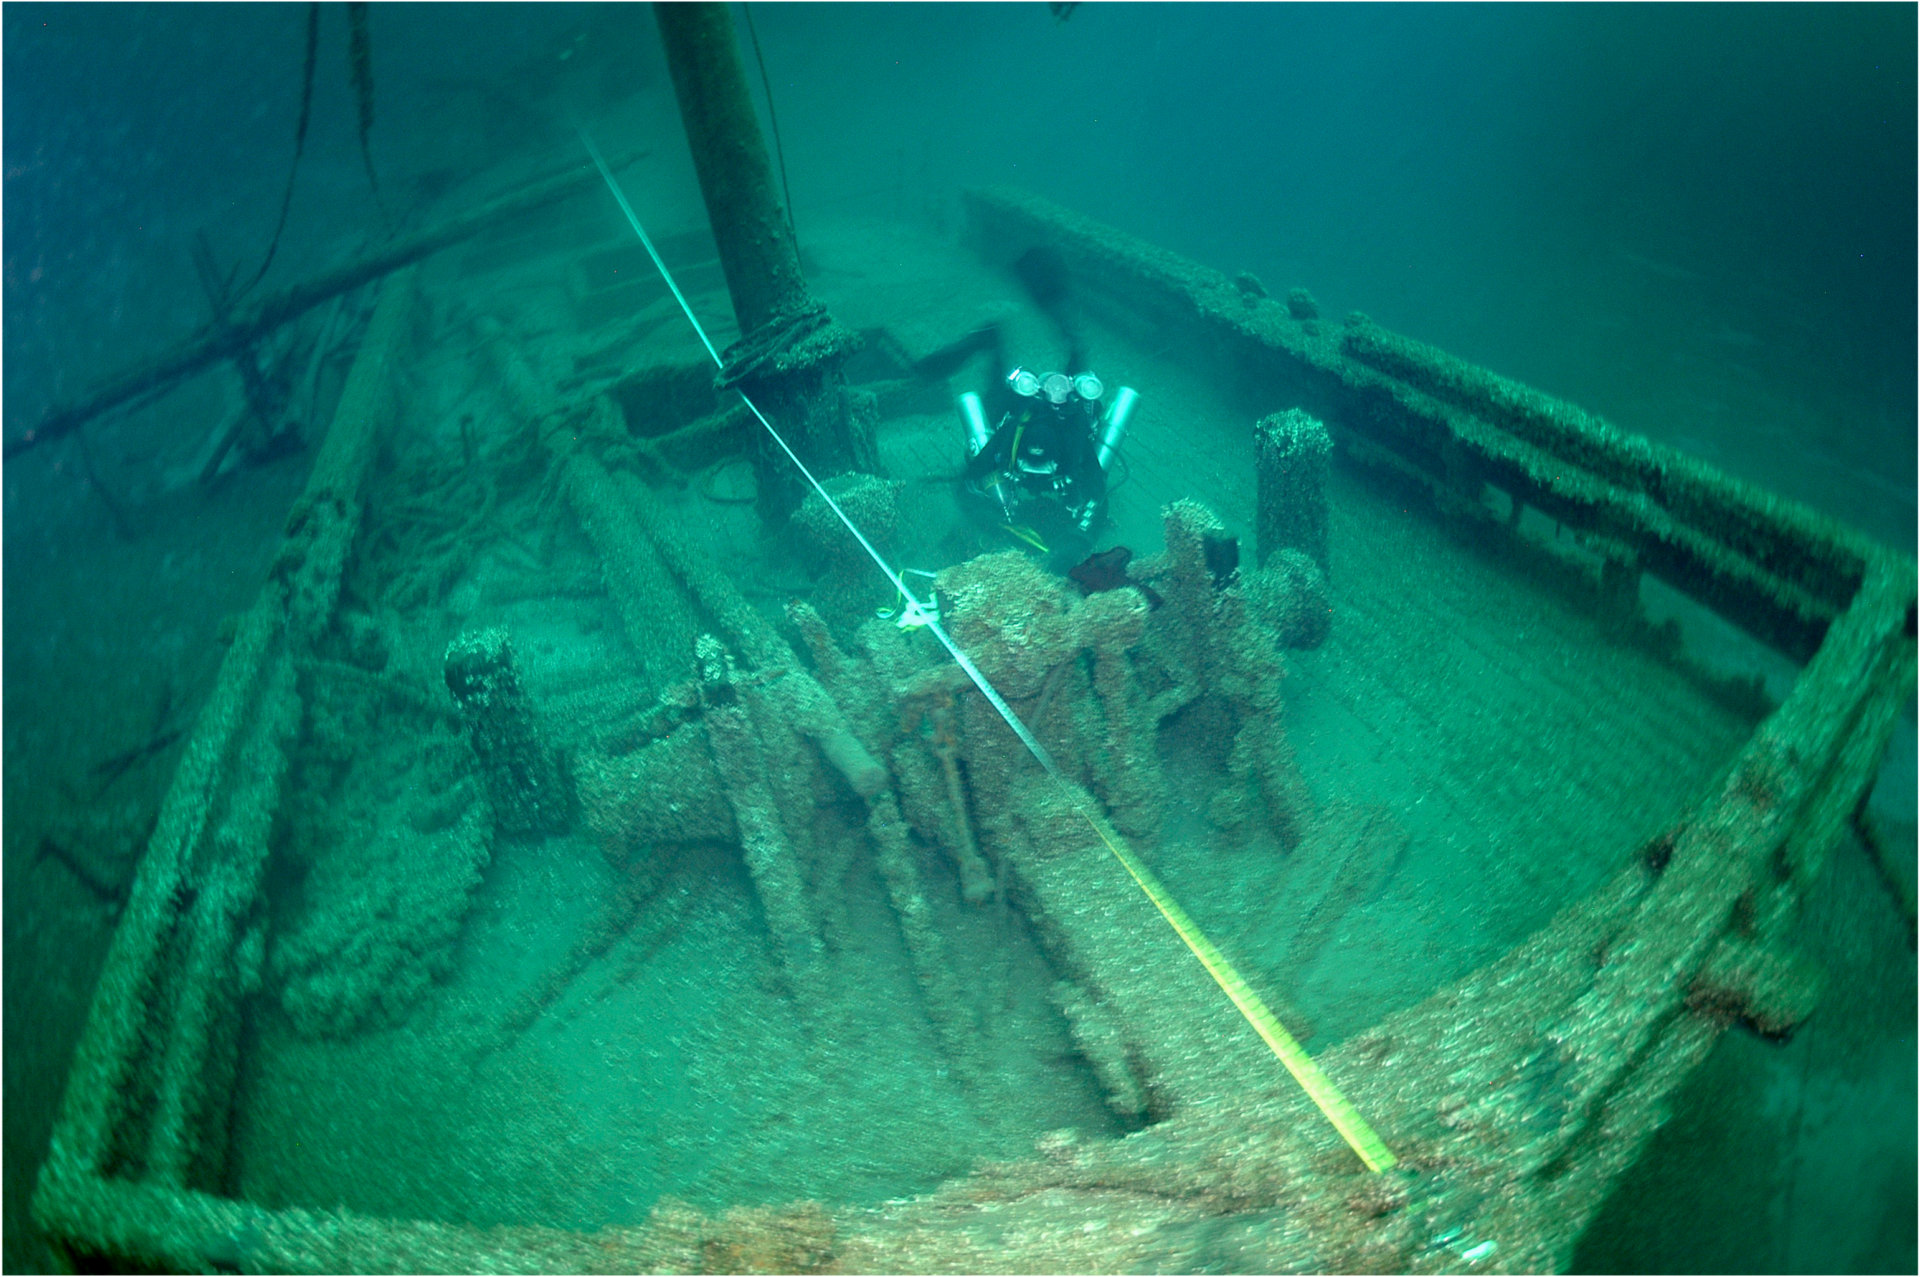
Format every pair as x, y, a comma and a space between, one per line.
1352, 1127
1319, 1088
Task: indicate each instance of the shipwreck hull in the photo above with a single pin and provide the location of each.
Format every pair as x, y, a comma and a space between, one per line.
1670, 822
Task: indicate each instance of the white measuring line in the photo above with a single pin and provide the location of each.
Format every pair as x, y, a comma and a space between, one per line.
915, 612
1325, 1095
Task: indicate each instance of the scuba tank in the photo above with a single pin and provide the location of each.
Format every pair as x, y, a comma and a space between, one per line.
1114, 428
973, 415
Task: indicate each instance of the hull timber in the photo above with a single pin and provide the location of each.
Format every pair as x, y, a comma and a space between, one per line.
1515, 1094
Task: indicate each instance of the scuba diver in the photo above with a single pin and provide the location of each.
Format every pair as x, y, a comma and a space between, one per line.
1039, 444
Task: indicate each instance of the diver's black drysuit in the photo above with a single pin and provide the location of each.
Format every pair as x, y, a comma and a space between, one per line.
1049, 448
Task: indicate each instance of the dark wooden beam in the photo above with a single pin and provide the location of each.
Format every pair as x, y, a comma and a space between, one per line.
232, 334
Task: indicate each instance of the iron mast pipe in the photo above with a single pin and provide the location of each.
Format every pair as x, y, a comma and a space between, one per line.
790, 351
730, 156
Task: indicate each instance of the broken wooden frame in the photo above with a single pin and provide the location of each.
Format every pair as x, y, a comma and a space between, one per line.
1515, 1096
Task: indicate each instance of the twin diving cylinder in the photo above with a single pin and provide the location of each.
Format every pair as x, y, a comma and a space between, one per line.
1113, 425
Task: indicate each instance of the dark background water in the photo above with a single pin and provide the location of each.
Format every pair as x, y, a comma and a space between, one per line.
1698, 221
1695, 220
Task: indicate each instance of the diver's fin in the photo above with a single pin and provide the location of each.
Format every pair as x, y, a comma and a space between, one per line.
1042, 271
948, 360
